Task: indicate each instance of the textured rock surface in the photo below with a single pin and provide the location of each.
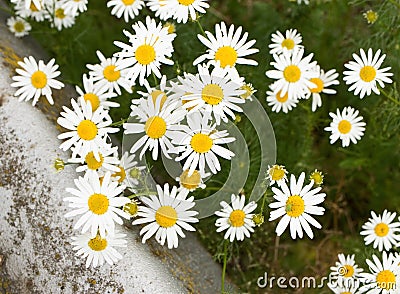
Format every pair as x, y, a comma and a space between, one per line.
35, 251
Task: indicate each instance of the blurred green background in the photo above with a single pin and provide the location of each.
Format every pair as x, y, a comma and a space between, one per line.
358, 179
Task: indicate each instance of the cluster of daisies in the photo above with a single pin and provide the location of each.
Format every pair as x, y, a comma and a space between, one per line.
298, 77
384, 269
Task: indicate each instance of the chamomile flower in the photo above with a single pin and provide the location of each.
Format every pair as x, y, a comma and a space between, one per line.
199, 143
364, 73
249, 91
61, 19
87, 130
108, 161
346, 126
381, 231
279, 102
371, 16
36, 79
181, 9
107, 75
345, 271
97, 204
32, 11
344, 289
217, 92
18, 26
98, 250
167, 214
124, 174
95, 94
150, 46
74, 7
290, 42
237, 219
28, 3
384, 277
163, 89
160, 8
296, 204
192, 182
129, 8
318, 177
322, 82
158, 124
227, 46
277, 174
293, 74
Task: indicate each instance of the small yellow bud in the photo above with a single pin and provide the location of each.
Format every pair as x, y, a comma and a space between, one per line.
371, 16
131, 208
318, 177
258, 219
249, 90
134, 173
59, 164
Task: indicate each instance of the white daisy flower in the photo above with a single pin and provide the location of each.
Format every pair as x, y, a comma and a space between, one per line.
346, 126
107, 75
382, 231
227, 47
154, 92
296, 204
32, 11
159, 125
74, 7
192, 182
290, 42
167, 214
128, 171
293, 74
364, 73
199, 144
129, 8
61, 19
277, 174
87, 130
160, 8
150, 46
95, 94
384, 277
237, 218
98, 250
279, 102
324, 80
217, 92
181, 9
97, 204
345, 271
29, 3
108, 161
344, 289
18, 26
36, 79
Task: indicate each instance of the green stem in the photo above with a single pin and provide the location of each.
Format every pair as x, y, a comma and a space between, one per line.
201, 28
119, 123
263, 202
389, 97
224, 266
8, 11
142, 194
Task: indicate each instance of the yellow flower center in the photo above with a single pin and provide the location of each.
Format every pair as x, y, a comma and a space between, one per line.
87, 130
185, 2
288, 44
294, 206
121, 174
134, 173
277, 172
319, 85
97, 243
155, 127
39, 79
155, 94
169, 25
98, 203
111, 74
166, 216
236, 218
212, 94
201, 143
60, 13
318, 177
226, 56
282, 99
19, 27
93, 99
381, 229
33, 7
91, 161
347, 292
191, 182
249, 90
131, 208
349, 271
344, 126
59, 164
128, 2
292, 73
368, 73
386, 279
145, 54
371, 16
